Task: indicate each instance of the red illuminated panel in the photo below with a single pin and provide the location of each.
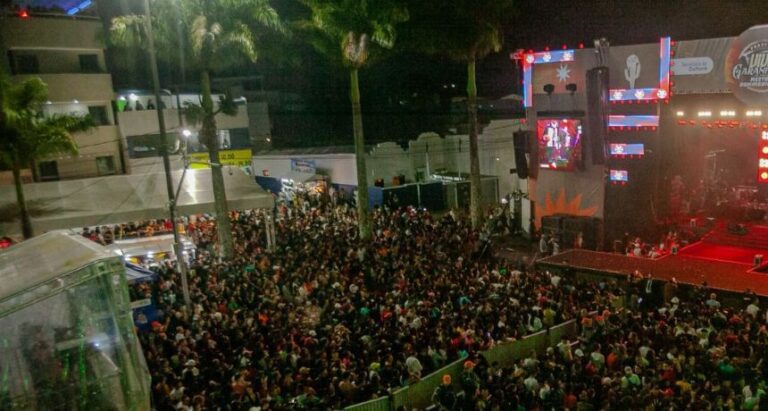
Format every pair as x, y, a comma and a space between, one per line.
762, 158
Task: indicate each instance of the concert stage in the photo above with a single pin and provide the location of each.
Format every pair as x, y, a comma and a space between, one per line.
720, 259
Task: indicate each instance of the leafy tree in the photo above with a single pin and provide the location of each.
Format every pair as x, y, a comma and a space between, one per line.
218, 33
465, 31
27, 136
352, 32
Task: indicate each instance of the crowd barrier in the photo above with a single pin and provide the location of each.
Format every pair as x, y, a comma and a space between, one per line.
419, 394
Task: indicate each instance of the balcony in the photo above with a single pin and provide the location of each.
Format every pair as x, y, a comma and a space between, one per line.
81, 87
53, 33
144, 122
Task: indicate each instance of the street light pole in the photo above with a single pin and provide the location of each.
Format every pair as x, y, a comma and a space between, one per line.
178, 247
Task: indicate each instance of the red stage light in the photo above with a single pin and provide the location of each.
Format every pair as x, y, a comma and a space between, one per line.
565, 47
581, 45
546, 48
23, 14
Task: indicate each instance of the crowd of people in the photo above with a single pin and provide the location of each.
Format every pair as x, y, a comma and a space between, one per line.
108, 234
324, 320
690, 354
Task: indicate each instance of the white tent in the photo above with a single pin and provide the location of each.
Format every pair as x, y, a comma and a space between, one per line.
124, 198
34, 262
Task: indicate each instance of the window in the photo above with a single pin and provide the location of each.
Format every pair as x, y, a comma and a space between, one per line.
99, 115
49, 170
105, 165
89, 63
26, 64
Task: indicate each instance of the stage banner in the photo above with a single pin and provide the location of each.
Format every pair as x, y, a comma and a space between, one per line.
747, 66
238, 158
634, 66
699, 65
303, 166
571, 193
562, 73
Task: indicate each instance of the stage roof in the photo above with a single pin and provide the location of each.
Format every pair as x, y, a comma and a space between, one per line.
124, 198
43, 258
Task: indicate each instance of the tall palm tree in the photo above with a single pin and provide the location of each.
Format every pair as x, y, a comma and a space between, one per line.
27, 136
465, 31
219, 35
353, 27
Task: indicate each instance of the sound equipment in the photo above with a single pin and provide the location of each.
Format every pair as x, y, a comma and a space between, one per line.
757, 260
519, 139
597, 113
588, 227
533, 150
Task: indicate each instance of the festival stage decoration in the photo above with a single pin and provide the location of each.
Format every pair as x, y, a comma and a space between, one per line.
762, 158
628, 95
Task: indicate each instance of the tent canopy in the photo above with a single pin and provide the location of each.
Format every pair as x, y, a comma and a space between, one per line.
119, 199
138, 274
43, 258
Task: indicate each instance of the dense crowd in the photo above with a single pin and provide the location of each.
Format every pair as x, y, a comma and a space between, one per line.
107, 234
325, 320
682, 355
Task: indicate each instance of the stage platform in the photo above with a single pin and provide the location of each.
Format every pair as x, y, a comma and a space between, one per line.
723, 275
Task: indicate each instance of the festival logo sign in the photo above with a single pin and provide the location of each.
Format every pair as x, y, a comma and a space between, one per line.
747, 66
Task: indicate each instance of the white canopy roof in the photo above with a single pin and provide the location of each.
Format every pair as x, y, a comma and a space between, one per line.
43, 258
124, 198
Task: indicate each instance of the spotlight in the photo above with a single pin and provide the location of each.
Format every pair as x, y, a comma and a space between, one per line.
705, 114
680, 113
571, 87
549, 89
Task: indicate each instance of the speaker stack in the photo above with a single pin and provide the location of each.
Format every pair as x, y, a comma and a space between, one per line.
597, 113
521, 140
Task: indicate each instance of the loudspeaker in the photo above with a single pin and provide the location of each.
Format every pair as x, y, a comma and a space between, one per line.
589, 228
533, 150
597, 113
520, 139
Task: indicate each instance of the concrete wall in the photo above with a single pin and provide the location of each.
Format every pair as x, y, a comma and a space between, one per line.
62, 33
75, 86
341, 168
138, 123
387, 160
101, 142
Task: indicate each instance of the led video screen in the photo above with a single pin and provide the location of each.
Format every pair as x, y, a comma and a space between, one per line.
619, 175
559, 143
627, 149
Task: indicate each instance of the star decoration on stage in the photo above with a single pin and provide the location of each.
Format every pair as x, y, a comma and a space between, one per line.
563, 73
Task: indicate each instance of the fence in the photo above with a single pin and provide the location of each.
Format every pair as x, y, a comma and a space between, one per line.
419, 394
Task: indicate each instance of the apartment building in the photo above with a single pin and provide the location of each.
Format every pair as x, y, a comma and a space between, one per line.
67, 53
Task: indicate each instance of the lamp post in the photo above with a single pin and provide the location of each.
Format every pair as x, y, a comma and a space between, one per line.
177, 246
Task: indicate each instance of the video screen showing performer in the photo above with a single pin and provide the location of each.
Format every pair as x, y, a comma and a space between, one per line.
559, 143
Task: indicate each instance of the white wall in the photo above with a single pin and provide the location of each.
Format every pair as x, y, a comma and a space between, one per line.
340, 168
387, 160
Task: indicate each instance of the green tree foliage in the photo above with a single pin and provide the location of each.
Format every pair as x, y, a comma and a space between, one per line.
352, 33
218, 35
28, 136
465, 31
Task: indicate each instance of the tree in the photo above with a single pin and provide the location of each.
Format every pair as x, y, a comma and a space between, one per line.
354, 27
219, 35
465, 31
28, 136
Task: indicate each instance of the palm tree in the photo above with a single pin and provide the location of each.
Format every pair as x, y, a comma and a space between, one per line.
353, 27
465, 31
219, 35
28, 136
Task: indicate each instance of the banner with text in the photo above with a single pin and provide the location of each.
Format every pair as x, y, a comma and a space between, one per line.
237, 158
